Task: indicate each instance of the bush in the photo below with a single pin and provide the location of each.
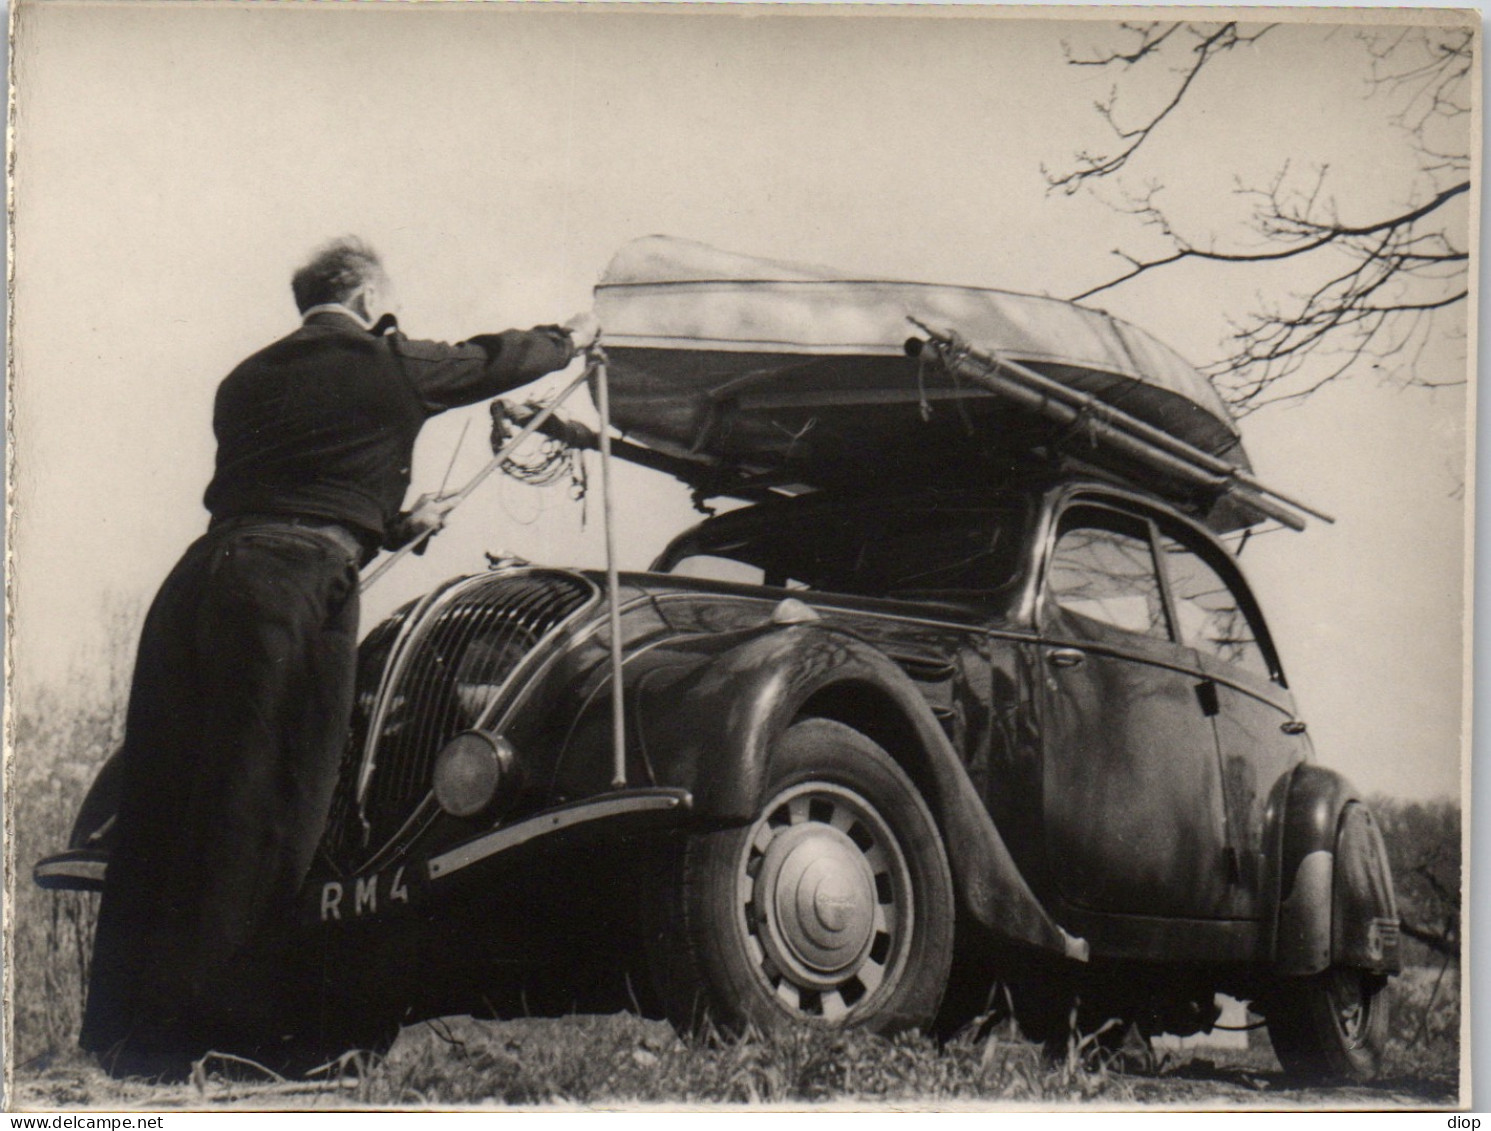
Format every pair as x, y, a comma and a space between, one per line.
1424, 1034
60, 742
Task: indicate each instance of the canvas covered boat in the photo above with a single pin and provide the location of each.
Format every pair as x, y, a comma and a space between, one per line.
744, 372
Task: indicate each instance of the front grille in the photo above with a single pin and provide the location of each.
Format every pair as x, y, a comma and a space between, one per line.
448, 676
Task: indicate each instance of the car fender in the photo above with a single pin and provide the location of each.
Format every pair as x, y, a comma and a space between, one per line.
1334, 896
713, 732
1364, 909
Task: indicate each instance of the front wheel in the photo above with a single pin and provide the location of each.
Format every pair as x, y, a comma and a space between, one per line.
1330, 1026
833, 907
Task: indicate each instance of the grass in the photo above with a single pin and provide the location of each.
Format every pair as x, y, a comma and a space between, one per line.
600, 1061
622, 1060
603, 1060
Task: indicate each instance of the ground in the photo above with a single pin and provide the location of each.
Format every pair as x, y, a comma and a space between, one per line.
622, 1060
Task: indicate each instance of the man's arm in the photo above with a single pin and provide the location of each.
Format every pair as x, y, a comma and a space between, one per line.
423, 522
485, 366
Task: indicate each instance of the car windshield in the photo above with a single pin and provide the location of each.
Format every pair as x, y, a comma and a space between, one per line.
931, 549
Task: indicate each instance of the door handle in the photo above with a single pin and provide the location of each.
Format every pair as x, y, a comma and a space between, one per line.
1065, 657
1293, 726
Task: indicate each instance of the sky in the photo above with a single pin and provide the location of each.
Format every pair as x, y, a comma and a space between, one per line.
175, 162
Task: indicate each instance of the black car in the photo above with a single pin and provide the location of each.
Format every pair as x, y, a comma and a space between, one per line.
1013, 736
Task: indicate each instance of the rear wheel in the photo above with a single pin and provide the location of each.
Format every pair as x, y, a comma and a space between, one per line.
1330, 1026
833, 907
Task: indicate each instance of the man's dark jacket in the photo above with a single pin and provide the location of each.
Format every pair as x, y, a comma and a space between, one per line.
322, 423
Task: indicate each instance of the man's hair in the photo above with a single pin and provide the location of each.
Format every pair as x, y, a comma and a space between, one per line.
335, 272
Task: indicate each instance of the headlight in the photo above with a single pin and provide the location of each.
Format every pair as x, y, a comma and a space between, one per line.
470, 772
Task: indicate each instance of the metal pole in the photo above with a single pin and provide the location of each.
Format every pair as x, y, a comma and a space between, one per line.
597, 365
476, 480
1148, 433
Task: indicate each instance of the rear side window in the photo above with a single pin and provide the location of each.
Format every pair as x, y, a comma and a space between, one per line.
902, 550
716, 568
1212, 618
1102, 569
941, 551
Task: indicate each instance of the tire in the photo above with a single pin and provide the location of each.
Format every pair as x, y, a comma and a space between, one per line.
1330, 1027
833, 908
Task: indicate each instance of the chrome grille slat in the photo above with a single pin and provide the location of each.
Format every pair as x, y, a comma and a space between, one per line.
372, 658
482, 632
442, 657
428, 688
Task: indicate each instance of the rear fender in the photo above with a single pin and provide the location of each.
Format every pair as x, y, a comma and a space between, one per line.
714, 731
1334, 903
94, 825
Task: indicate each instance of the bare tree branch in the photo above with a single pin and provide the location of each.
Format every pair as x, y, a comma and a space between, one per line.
1372, 286
1211, 44
1150, 41
1284, 227
1434, 940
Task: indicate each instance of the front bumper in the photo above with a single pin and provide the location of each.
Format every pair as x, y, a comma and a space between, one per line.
414, 884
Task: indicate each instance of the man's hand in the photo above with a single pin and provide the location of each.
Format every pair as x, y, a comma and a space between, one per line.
583, 329
425, 519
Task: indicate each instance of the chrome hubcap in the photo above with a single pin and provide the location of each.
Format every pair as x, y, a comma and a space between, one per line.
825, 901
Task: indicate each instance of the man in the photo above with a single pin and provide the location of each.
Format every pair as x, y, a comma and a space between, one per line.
243, 684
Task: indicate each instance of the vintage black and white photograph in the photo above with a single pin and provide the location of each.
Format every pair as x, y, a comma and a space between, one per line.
616, 555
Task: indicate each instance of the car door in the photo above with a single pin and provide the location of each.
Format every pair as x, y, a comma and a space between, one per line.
1259, 738
1134, 820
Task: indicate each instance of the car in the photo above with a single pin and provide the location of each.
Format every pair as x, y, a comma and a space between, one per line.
900, 751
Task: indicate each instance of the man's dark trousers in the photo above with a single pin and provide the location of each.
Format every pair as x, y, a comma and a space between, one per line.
237, 721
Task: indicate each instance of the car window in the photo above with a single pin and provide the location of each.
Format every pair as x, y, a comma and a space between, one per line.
1212, 619
715, 568
1102, 568
936, 551
900, 550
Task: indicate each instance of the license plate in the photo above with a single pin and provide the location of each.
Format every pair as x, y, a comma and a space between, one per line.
390, 891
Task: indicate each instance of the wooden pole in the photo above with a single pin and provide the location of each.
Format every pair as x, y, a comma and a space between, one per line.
597, 366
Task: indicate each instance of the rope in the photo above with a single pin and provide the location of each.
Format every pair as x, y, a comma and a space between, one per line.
555, 460
1084, 427
923, 405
